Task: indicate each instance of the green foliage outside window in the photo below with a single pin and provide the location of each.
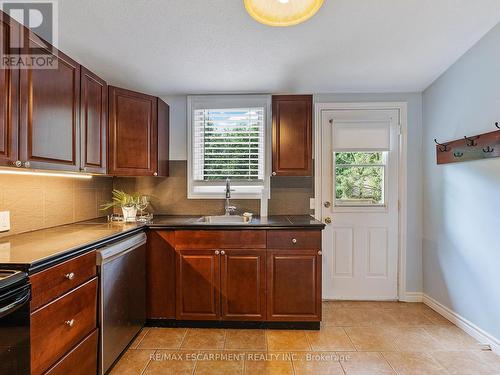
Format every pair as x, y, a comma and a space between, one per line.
359, 177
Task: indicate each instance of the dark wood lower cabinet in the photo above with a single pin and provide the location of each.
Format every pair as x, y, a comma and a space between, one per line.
243, 285
82, 360
293, 285
198, 285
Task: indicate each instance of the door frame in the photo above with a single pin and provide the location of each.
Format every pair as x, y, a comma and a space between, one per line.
402, 107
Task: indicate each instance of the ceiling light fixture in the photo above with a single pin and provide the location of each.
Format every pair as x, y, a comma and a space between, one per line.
282, 12
47, 174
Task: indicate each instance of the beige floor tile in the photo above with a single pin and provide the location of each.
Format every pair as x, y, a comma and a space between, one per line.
162, 338
413, 339
133, 362
330, 338
464, 363
342, 317
317, 363
219, 367
410, 317
412, 363
204, 339
245, 339
371, 339
166, 362
360, 304
452, 338
287, 341
436, 318
366, 364
139, 338
278, 366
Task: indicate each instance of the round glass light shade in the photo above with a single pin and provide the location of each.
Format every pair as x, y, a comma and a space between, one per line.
282, 12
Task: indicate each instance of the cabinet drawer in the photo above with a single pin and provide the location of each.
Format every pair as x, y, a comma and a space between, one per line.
60, 325
55, 281
82, 360
220, 239
294, 239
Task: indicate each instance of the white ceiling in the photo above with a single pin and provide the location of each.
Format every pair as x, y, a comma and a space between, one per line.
212, 46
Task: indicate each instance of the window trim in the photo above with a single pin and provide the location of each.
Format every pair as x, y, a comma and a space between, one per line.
243, 189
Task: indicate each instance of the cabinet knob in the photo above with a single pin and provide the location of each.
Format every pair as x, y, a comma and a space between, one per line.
155, 174
217, 252
70, 276
274, 173
70, 323
18, 163
27, 164
328, 220
320, 252
294, 240
222, 252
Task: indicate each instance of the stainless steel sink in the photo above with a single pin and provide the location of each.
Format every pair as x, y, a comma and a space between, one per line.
225, 219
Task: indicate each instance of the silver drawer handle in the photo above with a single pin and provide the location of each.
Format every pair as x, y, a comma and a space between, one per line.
294, 240
70, 276
70, 323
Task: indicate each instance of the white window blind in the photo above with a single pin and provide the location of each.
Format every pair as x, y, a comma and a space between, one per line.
373, 136
228, 143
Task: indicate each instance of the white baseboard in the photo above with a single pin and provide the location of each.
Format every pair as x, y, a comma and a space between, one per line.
467, 326
412, 297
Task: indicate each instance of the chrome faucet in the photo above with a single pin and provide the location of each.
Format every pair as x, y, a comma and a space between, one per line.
227, 207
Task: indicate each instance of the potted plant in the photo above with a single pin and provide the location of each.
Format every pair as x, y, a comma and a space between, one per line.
127, 202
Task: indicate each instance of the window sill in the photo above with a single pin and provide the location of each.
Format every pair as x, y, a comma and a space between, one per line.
218, 192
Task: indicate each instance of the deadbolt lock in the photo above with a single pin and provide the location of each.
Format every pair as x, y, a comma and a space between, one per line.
327, 204
328, 220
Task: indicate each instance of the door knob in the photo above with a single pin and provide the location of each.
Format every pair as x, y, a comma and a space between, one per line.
328, 220
327, 204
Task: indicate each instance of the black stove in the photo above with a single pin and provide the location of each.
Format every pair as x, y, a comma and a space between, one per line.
15, 296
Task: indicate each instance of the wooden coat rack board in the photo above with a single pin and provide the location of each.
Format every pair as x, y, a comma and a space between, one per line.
483, 146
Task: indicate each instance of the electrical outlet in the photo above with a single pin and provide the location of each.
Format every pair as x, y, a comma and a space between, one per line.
4, 221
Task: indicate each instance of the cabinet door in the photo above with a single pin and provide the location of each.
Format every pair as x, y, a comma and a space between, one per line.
133, 139
294, 285
50, 115
93, 122
9, 80
243, 283
292, 135
198, 285
160, 266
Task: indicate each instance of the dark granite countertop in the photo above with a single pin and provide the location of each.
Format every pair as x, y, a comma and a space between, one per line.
39, 249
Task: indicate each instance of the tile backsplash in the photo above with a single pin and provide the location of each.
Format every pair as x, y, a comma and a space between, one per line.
37, 202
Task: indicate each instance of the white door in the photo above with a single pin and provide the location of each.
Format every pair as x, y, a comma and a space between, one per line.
360, 152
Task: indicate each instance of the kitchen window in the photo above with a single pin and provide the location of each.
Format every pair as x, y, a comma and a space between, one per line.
228, 138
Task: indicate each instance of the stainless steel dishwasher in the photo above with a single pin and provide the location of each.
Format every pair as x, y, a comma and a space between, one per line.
122, 294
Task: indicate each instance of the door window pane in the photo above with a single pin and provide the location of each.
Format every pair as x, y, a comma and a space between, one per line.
359, 178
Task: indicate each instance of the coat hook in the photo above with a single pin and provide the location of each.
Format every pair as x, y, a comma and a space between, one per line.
458, 154
488, 150
442, 147
471, 141
497, 125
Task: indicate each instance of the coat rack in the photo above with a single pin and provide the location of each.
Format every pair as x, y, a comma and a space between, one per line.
482, 146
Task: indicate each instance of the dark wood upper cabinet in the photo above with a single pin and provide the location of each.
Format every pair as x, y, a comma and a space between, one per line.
243, 284
93, 122
294, 285
198, 285
50, 115
138, 134
9, 80
292, 135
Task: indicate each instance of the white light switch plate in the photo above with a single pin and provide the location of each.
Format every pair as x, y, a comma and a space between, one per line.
312, 203
4, 221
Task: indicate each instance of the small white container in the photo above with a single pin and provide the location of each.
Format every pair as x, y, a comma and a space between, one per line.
129, 214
